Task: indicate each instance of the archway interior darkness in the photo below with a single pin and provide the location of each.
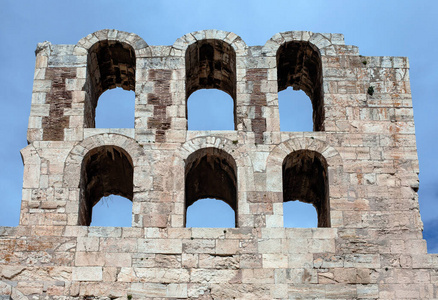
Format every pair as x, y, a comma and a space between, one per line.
299, 66
210, 109
116, 109
106, 170
305, 179
211, 64
295, 111
110, 64
211, 173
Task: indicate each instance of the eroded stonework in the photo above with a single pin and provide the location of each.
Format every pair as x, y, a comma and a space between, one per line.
359, 168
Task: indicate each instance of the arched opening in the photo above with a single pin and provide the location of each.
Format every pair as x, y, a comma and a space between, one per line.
210, 110
305, 179
211, 173
295, 111
299, 66
211, 64
110, 64
211, 213
116, 109
105, 171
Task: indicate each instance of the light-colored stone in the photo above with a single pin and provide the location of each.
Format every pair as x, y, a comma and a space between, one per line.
359, 168
87, 274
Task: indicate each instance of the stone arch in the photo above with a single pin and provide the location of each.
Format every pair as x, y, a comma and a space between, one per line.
73, 162
105, 171
221, 75
306, 72
211, 63
140, 47
319, 43
111, 63
211, 173
305, 179
128, 153
322, 42
181, 44
281, 151
244, 166
232, 147
299, 65
315, 153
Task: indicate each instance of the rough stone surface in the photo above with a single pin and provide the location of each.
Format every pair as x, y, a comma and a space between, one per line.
359, 168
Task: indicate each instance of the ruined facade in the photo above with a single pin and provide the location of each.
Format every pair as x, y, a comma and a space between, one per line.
359, 168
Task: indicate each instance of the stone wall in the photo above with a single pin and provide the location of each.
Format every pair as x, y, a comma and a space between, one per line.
359, 168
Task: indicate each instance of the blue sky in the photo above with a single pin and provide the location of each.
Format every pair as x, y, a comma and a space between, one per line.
378, 28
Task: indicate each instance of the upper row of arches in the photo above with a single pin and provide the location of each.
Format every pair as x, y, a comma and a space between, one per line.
324, 42
210, 63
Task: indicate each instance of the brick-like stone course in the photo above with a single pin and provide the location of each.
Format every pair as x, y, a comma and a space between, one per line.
160, 99
255, 77
59, 98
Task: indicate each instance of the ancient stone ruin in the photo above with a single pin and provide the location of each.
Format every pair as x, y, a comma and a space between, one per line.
358, 168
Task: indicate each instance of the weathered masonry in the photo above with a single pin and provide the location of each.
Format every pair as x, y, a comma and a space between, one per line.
358, 168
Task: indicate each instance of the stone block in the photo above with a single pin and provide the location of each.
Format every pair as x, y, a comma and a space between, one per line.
87, 274
212, 276
160, 246
275, 260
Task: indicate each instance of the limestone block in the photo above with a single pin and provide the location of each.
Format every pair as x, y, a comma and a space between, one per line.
269, 245
164, 275
227, 247
105, 232
160, 246
218, 262
362, 261
117, 259
298, 245
190, 260
41, 110
279, 291
113, 245
208, 233
199, 246
212, 275
322, 245
87, 273
275, 233
345, 291
301, 261
181, 233
275, 221
104, 289
275, 261
296, 276
28, 288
